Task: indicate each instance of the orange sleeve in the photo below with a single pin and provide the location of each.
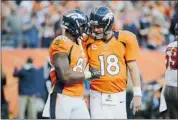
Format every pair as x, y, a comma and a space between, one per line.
132, 47
60, 44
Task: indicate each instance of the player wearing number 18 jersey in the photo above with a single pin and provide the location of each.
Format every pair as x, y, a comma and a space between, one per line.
111, 52
111, 58
171, 89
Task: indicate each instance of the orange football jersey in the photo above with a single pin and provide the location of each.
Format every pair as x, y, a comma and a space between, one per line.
110, 58
62, 44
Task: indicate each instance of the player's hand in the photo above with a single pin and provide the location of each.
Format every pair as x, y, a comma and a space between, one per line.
136, 103
92, 73
95, 73
15, 68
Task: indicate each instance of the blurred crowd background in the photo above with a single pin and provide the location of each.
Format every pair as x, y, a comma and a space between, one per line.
34, 24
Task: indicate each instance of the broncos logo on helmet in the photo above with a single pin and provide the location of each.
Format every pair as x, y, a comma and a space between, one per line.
109, 16
75, 16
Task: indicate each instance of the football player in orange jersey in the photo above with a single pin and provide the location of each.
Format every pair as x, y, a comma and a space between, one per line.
111, 52
66, 98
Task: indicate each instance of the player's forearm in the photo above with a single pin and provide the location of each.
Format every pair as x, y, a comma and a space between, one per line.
27, 27
134, 72
16, 73
73, 77
135, 76
39, 28
68, 76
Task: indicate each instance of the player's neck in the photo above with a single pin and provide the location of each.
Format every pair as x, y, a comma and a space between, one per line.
70, 36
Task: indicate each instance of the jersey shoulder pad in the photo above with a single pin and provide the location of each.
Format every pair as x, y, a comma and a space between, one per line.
125, 33
60, 44
126, 36
60, 40
173, 44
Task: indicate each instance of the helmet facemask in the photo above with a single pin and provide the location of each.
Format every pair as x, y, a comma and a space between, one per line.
101, 16
99, 36
94, 34
83, 32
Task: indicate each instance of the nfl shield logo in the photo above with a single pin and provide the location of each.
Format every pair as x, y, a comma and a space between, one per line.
109, 97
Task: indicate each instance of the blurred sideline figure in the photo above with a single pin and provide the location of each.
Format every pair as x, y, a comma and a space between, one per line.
46, 74
4, 103
66, 99
170, 90
27, 89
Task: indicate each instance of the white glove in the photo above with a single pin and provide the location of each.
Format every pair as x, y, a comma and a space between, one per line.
88, 74
92, 74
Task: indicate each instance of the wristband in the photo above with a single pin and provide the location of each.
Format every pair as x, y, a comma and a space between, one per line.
137, 91
87, 74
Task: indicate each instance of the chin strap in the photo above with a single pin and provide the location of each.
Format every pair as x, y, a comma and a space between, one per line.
97, 37
79, 40
105, 35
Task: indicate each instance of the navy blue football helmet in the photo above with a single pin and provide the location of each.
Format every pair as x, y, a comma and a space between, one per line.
101, 16
76, 22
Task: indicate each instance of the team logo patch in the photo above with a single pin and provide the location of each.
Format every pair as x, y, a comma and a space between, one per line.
108, 16
94, 47
75, 16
